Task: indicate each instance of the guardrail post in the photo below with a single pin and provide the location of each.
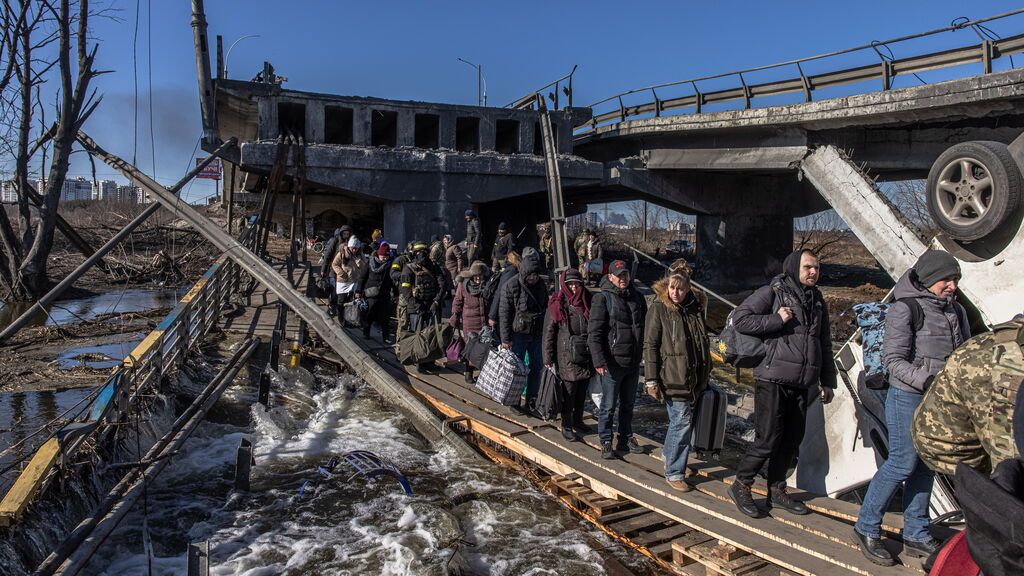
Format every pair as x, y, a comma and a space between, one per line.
263, 395
199, 558
243, 465
275, 349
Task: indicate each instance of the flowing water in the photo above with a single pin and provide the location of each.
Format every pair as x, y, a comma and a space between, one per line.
496, 520
79, 309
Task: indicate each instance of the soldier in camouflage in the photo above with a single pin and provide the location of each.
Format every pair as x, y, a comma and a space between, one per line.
967, 414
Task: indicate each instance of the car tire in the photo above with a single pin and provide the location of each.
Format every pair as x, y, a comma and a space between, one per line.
974, 189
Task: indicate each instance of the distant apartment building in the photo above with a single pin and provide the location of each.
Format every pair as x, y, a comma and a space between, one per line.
131, 194
74, 189
8, 192
105, 190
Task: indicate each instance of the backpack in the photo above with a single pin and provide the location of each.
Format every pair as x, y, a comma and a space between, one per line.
425, 286
743, 350
870, 318
549, 396
490, 289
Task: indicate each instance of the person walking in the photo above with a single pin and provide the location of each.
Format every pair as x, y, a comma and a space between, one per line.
522, 302
792, 318
402, 311
504, 277
349, 270
378, 290
473, 236
503, 244
565, 348
469, 307
924, 325
327, 278
454, 260
615, 338
676, 363
422, 284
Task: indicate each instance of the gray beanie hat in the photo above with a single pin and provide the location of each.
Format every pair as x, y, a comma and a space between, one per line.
934, 265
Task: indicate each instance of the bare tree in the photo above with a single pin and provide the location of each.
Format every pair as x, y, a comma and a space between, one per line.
822, 233
25, 252
909, 198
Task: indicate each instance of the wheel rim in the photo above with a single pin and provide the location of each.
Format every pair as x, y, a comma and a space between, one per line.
964, 191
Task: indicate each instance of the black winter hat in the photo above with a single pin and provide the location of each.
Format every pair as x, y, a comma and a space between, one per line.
470, 213
502, 226
934, 265
573, 275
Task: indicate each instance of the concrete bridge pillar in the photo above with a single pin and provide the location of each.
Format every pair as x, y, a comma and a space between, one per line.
408, 221
740, 251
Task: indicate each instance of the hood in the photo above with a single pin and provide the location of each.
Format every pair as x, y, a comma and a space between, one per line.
530, 262
791, 266
909, 287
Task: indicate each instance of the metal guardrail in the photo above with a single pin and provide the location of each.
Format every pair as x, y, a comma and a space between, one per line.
158, 353
989, 49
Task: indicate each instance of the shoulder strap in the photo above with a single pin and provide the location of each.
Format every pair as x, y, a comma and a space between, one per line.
916, 313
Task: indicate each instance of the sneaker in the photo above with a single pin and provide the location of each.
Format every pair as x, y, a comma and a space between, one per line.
568, 434
778, 496
388, 340
873, 550
630, 445
422, 368
581, 428
606, 451
680, 485
921, 549
740, 494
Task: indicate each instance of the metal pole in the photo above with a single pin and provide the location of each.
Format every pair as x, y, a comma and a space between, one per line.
48, 298
556, 204
479, 84
229, 193
202, 49
228, 55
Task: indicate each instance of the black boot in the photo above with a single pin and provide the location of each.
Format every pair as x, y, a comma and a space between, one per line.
469, 376
919, 549
740, 494
568, 433
873, 550
777, 496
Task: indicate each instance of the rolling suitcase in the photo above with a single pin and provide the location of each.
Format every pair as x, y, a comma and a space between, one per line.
709, 422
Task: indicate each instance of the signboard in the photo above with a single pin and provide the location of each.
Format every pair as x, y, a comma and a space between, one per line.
212, 170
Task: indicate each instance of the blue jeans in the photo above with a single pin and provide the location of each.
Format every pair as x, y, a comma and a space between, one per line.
902, 467
528, 348
618, 389
677, 440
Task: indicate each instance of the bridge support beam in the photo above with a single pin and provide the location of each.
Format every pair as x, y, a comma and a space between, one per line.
888, 236
742, 251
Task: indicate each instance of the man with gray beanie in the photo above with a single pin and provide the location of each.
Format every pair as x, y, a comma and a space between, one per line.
923, 326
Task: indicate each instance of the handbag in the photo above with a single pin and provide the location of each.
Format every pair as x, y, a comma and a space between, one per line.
372, 292
579, 351
550, 396
524, 322
453, 352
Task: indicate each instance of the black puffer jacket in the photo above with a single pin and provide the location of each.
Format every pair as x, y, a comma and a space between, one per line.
557, 345
377, 283
518, 297
799, 351
615, 332
507, 275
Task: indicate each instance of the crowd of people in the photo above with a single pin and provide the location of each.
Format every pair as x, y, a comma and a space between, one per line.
606, 341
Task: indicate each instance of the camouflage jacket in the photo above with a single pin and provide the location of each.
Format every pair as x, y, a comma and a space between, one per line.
967, 414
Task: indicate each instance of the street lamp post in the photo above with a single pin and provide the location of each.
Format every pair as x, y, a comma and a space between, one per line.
481, 84
228, 55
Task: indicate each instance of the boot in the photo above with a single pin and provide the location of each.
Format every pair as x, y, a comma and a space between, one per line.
469, 376
680, 485
873, 550
777, 496
921, 549
606, 451
629, 445
740, 494
568, 434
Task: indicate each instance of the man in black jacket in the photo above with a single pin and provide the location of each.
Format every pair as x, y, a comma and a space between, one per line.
522, 303
503, 244
377, 289
792, 318
615, 336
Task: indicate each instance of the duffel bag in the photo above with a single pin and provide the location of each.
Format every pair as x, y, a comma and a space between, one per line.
502, 377
426, 345
354, 312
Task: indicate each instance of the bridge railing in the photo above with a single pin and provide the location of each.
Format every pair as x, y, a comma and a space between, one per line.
157, 354
990, 48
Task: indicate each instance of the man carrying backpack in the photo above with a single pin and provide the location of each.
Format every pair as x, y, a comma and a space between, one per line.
792, 318
922, 328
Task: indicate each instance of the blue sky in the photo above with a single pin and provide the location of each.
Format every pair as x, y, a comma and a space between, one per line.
409, 50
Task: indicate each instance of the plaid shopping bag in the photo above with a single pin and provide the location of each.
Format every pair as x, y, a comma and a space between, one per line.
502, 377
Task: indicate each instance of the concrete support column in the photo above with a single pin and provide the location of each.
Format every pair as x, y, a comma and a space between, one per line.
361, 126
487, 133
407, 221
406, 128
741, 252
314, 121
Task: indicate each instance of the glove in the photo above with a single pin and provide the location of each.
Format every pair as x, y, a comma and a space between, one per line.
434, 309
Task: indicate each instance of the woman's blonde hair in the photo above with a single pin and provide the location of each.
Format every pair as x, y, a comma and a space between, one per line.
513, 258
678, 280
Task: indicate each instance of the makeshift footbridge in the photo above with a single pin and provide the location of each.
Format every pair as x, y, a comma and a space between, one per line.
700, 532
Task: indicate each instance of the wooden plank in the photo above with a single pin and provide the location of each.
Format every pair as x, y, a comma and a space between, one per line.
28, 482
659, 536
648, 520
636, 510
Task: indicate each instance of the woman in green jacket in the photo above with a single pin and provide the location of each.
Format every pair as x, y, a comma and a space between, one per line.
676, 363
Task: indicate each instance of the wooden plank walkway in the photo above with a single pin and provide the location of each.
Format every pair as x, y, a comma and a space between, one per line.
700, 532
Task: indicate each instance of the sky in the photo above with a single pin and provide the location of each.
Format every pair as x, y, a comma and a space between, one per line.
410, 50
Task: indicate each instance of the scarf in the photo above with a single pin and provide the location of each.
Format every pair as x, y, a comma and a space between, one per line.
557, 306
474, 288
